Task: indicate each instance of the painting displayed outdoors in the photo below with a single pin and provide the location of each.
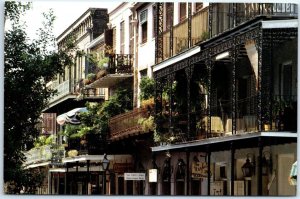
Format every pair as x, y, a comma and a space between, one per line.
161, 98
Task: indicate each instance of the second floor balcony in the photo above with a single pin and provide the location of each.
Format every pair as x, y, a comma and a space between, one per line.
64, 89
225, 16
178, 42
127, 124
43, 155
119, 67
279, 116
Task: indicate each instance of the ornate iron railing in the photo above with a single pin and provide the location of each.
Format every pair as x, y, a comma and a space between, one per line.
127, 123
282, 116
120, 63
229, 15
92, 144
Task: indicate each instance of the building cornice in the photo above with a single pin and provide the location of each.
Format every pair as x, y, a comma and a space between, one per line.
76, 23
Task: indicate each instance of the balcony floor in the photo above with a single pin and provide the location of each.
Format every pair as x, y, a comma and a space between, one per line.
109, 80
245, 140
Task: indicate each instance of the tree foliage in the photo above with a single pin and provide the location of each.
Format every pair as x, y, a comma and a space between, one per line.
96, 119
147, 88
28, 66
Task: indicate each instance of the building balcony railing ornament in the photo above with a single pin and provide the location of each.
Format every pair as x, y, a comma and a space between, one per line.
229, 16
127, 124
120, 63
120, 67
279, 115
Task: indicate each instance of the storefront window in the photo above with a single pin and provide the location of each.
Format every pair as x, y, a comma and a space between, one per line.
196, 187
129, 187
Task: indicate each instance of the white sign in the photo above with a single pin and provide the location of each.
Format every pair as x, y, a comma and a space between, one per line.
134, 176
152, 175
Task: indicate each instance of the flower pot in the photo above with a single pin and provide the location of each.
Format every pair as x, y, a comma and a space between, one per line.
267, 127
101, 74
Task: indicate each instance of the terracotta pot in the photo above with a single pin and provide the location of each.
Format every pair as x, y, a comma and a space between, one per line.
100, 74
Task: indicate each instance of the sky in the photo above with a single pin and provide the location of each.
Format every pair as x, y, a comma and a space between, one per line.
66, 12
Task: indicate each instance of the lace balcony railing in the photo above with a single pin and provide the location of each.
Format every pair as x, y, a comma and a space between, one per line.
91, 144
280, 114
225, 16
127, 123
120, 63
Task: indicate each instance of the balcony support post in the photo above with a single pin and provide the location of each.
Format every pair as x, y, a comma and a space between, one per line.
209, 65
189, 25
170, 85
210, 19
234, 59
189, 73
259, 43
171, 29
158, 96
159, 33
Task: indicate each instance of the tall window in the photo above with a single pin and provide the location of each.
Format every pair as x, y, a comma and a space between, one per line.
169, 15
143, 22
131, 36
122, 37
182, 11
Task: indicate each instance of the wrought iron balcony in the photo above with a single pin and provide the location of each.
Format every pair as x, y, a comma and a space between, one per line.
91, 144
120, 67
63, 89
199, 32
225, 16
126, 124
42, 154
120, 63
280, 114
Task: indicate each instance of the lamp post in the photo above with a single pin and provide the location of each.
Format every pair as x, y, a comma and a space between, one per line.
105, 166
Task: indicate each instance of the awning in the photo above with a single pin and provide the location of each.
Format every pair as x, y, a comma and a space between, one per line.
70, 116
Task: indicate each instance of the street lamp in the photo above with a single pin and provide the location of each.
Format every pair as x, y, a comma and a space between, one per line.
248, 168
248, 171
105, 166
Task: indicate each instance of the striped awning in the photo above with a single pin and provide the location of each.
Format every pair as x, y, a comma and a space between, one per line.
70, 116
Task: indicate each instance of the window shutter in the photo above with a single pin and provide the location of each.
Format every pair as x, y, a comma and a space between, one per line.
143, 17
